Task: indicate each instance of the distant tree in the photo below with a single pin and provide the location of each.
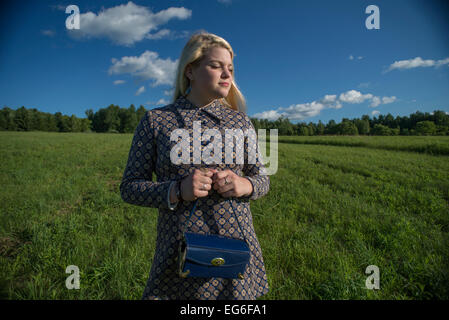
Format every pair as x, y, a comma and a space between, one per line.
90, 116
320, 128
426, 128
74, 124
348, 128
117, 119
33, 116
140, 112
7, 115
440, 118
132, 119
405, 132
416, 117
255, 123
22, 119
112, 120
442, 131
303, 130
381, 130
62, 122
331, 127
395, 131
312, 128
42, 122
285, 127
84, 125
51, 124
362, 126
406, 125
389, 121
3, 120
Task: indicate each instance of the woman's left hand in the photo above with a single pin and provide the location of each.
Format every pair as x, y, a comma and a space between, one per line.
229, 184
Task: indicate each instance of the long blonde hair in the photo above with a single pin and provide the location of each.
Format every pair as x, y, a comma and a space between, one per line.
194, 50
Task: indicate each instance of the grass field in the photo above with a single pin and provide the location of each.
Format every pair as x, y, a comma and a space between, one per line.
335, 206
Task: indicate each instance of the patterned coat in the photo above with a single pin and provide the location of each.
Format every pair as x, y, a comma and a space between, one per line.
150, 151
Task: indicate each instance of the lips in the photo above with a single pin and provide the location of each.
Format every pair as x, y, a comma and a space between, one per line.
224, 84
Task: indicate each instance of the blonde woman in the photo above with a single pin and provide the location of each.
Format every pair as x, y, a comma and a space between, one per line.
205, 92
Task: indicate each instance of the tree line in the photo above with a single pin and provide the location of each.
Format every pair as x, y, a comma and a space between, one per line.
115, 119
418, 123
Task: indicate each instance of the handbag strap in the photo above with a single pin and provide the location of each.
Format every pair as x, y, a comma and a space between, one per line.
193, 209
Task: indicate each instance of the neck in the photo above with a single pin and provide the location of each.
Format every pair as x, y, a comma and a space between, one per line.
198, 101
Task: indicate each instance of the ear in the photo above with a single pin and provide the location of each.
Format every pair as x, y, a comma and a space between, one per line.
188, 72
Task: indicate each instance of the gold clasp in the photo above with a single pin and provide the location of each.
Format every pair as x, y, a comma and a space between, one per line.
217, 261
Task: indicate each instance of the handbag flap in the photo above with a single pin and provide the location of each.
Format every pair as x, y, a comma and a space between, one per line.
203, 249
214, 241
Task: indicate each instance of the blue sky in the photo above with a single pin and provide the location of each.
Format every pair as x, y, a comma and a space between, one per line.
306, 60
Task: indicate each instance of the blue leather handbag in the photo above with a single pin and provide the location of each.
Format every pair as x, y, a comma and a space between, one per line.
212, 255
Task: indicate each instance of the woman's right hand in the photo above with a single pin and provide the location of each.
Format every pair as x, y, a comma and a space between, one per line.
197, 184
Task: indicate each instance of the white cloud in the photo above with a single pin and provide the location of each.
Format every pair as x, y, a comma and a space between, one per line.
162, 101
354, 96
303, 110
442, 62
329, 98
375, 102
269, 115
386, 100
169, 92
330, 101
364, 85
140, 90
416, 63
293, 112
375, 112
351, 57
128, 23
164, 33
119, 82
147, 66
311, 109
59, 7
48, 33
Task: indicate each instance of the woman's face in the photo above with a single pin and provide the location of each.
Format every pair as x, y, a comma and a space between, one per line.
209, 78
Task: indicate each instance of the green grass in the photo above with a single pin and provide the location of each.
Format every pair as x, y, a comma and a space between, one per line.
436, 145
334, 207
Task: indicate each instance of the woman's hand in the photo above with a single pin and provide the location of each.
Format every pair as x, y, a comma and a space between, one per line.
197, 184
229, 184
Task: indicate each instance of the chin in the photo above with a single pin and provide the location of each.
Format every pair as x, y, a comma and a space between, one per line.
222, 93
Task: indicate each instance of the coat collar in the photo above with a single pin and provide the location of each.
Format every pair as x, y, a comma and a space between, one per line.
215, 108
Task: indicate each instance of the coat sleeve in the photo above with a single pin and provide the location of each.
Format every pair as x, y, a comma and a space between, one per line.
137, 186
253, 169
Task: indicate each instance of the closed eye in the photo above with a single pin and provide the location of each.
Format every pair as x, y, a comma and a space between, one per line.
215, 67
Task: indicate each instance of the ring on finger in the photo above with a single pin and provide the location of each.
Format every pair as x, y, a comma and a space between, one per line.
226, 180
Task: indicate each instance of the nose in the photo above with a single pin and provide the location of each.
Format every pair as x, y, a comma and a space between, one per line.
226, 74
